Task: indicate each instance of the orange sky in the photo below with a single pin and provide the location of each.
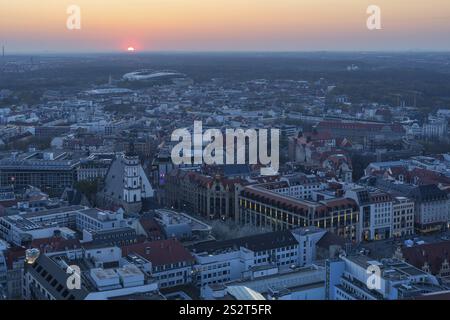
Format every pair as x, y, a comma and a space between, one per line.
273, 25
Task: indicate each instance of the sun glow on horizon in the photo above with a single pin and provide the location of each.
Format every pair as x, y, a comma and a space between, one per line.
194, 25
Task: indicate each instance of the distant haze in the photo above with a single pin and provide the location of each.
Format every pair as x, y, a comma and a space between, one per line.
223, 25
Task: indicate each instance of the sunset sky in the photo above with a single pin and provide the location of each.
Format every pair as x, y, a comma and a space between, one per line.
217, 25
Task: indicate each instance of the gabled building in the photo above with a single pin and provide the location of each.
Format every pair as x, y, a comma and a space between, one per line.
169, 262
433, 258
126, 185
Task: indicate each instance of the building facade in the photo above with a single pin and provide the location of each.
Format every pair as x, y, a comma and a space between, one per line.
376, 209
360, 278
262, 208
126, 185
403, 217
51, 176
210, 197
220, 262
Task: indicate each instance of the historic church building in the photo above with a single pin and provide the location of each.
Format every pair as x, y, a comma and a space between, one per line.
126, 185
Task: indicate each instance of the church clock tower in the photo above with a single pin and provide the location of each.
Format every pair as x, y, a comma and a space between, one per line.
132, 184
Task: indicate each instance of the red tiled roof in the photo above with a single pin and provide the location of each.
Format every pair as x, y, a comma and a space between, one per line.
429, 177
343, 142
204, 180
152, 228
424, 176
8, 203
319, 136
433, 253
273, 196
329, 125
160, 252
330, 239
340, 202
330, 204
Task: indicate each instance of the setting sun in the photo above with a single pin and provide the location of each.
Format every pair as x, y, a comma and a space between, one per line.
131, 49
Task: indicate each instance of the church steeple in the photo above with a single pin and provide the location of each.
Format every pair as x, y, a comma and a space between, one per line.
132, 180
131, 150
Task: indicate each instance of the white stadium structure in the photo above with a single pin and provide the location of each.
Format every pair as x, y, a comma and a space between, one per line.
151, 75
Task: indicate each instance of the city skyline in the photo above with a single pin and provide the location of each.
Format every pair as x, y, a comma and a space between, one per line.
224, 157
190, 25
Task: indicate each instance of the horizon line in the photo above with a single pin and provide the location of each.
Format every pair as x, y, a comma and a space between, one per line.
147, 52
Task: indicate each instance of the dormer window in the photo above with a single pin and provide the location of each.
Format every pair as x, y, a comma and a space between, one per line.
445, 269
426, 267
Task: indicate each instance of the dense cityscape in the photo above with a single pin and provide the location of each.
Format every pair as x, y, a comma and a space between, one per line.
93, 207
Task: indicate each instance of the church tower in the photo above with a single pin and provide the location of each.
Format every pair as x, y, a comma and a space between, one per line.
126, 185
132, 186
132, 183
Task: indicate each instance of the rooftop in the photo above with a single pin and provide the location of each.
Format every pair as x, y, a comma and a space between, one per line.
160, 252
260, 242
